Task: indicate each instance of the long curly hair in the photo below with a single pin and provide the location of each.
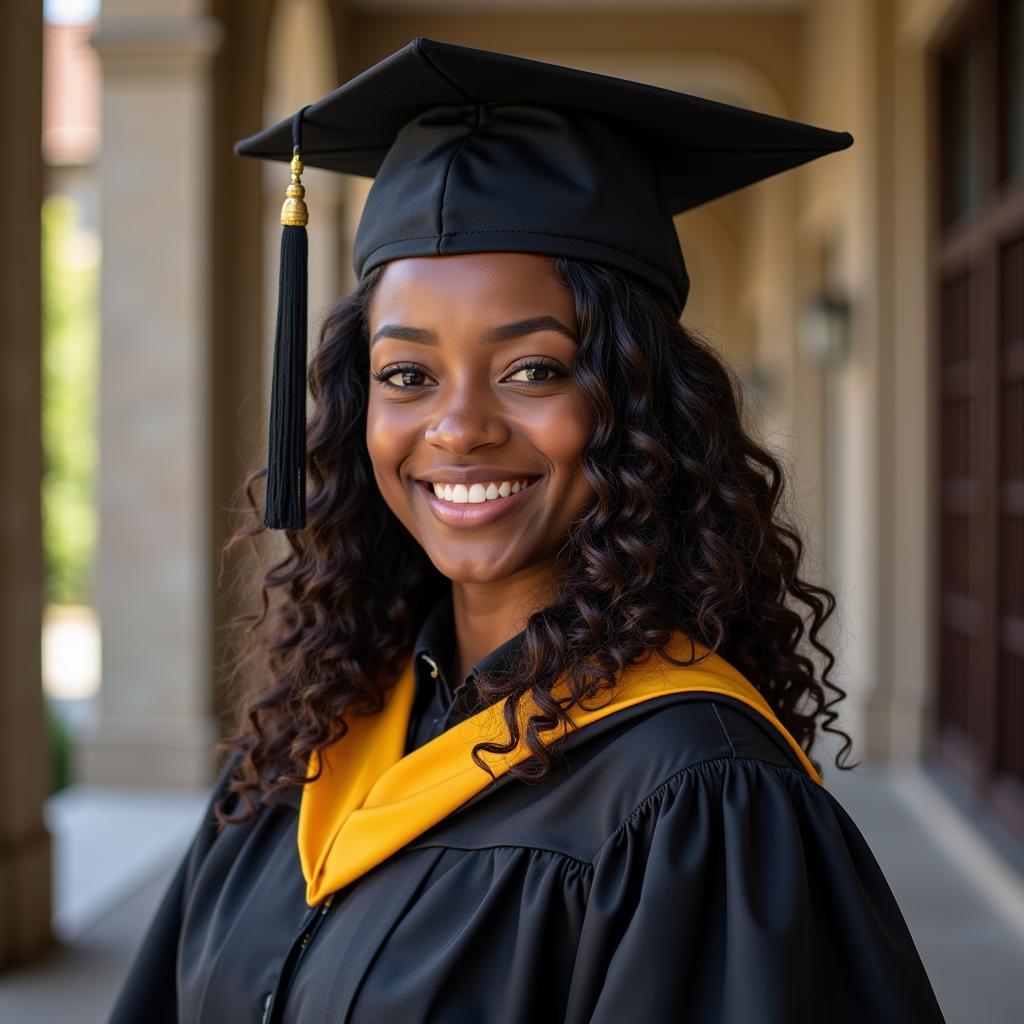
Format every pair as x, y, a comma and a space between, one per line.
683, 531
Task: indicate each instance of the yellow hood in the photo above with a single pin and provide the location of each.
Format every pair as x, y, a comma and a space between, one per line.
371, 800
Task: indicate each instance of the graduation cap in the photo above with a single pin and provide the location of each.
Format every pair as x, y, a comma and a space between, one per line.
476, 151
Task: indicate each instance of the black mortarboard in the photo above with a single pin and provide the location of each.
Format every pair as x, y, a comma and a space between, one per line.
474, 151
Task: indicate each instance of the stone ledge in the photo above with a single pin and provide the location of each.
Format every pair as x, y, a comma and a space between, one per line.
109, 842
156, 44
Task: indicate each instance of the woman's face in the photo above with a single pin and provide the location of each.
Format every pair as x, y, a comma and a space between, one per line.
465, 405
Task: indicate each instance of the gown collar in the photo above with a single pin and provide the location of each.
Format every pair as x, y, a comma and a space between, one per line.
371, 798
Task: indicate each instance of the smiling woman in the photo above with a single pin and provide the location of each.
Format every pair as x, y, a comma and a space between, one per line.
533, 692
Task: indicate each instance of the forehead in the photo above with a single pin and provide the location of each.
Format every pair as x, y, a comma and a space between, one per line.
484, 286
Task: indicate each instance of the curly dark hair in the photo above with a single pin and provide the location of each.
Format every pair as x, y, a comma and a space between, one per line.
682, 532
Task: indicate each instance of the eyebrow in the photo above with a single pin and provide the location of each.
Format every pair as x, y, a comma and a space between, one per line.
504, 332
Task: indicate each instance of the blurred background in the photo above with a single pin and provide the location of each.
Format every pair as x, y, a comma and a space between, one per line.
871, 302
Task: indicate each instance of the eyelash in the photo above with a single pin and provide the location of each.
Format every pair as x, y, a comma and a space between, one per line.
383, 375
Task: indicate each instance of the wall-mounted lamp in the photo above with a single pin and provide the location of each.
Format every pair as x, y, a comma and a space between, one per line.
823, 329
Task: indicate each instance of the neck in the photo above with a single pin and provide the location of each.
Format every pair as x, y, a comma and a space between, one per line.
488, 614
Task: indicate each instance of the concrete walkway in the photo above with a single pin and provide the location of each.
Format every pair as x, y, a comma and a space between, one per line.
963, 902
969, 930
114, 852
80, 978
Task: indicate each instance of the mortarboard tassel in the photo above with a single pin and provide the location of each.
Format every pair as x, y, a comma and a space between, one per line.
286, 460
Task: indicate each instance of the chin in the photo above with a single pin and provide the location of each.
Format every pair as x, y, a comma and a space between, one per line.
472, 570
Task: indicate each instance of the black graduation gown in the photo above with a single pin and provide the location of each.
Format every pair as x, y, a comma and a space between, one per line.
680, 866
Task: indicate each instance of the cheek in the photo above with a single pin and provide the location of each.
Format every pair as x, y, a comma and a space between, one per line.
387, 446
378, 439
562, 435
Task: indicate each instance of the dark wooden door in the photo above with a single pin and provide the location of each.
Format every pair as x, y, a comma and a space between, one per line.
980, 403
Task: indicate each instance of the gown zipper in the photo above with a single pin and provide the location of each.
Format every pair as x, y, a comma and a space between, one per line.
274, 1003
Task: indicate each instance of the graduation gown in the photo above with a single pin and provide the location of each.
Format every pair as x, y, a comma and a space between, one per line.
681, 864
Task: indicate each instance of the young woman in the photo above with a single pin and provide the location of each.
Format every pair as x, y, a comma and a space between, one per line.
532, 739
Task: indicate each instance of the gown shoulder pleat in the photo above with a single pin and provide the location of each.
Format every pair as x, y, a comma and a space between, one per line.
742, 891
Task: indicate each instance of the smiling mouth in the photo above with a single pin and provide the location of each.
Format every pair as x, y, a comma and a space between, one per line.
476, 513
476, 494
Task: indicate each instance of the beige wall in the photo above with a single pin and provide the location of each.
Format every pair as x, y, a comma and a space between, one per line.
844, 71
154, 574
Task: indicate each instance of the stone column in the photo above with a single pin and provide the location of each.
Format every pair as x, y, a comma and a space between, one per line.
154, 568
24, 748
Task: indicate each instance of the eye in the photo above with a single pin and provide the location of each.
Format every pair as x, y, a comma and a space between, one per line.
553, 371
385, 375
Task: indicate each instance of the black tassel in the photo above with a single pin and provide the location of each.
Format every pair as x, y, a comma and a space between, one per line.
286, 458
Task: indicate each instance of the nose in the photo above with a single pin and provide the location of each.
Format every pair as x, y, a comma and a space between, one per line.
464, 422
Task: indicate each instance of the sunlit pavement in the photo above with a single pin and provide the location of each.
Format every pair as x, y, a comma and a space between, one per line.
115, 851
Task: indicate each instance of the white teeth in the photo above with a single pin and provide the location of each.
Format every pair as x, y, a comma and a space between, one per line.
460, 494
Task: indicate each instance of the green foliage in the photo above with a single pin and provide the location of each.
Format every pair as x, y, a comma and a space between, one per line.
70, 272
60, 744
